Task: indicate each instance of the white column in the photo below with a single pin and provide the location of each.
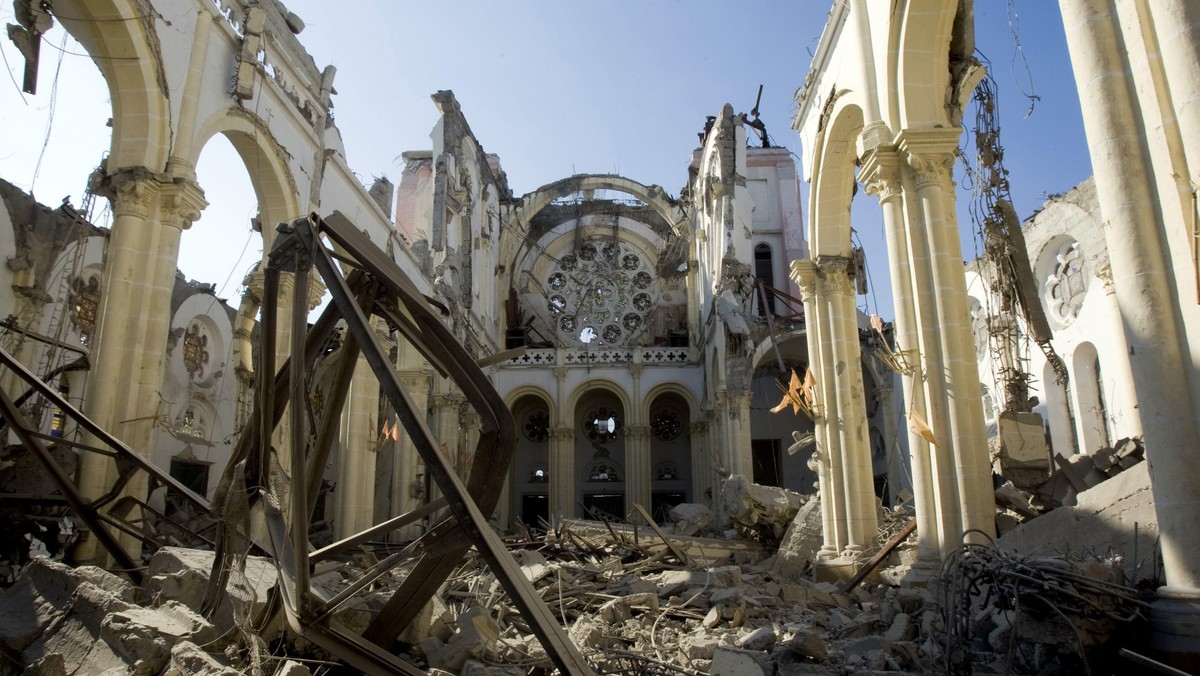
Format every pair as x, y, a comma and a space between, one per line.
881, 171
562, 472
861, 520
358, 440
803, 272
637, 467
702, 464
129, 353
1140, 269
930, 154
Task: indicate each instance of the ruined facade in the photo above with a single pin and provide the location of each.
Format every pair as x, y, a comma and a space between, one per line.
654, 328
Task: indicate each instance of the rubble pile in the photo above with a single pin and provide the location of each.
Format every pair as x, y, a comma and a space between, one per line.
1004, 614
647, 601
1086, 470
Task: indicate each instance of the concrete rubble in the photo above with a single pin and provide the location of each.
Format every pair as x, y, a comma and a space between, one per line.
629, 603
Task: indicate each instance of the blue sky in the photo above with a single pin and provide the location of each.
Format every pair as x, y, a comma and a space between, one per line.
554, 89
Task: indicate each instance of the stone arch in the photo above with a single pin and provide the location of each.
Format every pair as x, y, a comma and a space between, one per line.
683, 392
652, 195
919, 71
592, 386
274, 185
834, 182
530, 480
1091, 413
601, 478
514, 396
114, 35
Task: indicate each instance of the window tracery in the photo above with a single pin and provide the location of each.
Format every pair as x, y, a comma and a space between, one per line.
665, 424
85, 299
602, 425
195, 350
537, 426
600, 293
1066, 285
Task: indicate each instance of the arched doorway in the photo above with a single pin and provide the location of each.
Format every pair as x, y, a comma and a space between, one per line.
670, 454
531, 461
600, 423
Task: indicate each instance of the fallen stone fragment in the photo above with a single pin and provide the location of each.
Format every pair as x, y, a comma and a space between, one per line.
902, 629
699, 645
180, 574
293, 668
809, 644
621, 609
188, 659
729, 661
759, 639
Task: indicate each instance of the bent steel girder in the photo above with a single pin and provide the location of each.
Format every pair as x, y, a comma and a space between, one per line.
376, 287
101, 522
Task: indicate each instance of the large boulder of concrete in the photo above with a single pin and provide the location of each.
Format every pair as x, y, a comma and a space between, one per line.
179, 574
800, 543
765, 510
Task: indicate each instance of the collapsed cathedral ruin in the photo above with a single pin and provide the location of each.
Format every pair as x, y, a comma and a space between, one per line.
640, 342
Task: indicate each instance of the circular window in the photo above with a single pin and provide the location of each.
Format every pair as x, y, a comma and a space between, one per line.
602, 425
609, 288
537, 426
1066, 285
665, 424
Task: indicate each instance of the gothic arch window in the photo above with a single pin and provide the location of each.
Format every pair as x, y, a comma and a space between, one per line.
1066, 282
600, 293
666, 471
603, 470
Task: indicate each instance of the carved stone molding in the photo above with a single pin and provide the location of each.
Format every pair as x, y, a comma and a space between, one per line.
180, 203
131, 191
562, 433
804, 274
880, 173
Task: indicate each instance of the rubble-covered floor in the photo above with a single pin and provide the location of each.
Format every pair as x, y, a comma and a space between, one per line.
634, 601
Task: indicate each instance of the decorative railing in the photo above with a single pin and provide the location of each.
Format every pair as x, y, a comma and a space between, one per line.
641, 355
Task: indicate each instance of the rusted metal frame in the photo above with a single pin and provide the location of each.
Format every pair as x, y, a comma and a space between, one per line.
95, 430
259, 464
66, 484
147, 508
377, 530
469, 516
368, 577
299, 432
124, 474
63, 441
10, 324
675, 551
358, 653
80, 364
908, 529
331, 415
219, 574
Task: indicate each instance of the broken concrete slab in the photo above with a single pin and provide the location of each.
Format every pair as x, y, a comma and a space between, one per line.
180, 574
729, 661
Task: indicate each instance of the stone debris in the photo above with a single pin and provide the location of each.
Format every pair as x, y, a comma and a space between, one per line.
629, 603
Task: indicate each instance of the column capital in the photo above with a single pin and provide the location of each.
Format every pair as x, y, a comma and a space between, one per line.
699, 427
880, 173
180, 203
562, 433
804, 274
130, 191
834, 274
637, 432
635, 370
560, 373
450, 400
930, 153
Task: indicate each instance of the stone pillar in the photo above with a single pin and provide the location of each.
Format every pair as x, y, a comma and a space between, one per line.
358, 441
637, 467
740, 434
720, 434
447, 425
1141, 269
930, 154
562, 472
469, 442
408, 469
856, 485
702, 464
129, 352
803, 272
881, 172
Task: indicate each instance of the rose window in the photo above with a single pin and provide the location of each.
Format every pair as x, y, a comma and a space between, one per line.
1067, 284
665, 424
601, 293
537, 426
602, 425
